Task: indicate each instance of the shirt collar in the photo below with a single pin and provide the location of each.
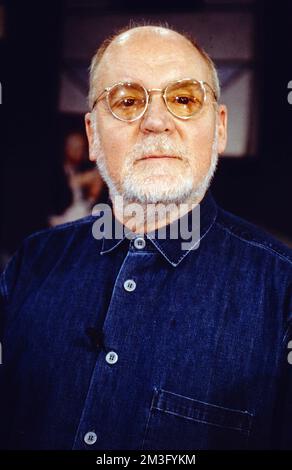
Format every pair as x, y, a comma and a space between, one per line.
196, 222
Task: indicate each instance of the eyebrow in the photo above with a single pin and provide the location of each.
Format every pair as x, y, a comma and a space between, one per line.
128, 80
140, 82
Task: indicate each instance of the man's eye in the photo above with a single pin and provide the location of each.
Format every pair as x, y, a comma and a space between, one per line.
128, 102
185, 99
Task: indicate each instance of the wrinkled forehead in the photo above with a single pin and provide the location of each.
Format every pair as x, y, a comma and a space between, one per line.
151, 59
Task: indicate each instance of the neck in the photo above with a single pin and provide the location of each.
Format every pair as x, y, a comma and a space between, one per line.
144, 218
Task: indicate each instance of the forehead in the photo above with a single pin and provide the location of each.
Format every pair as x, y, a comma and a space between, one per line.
151, 59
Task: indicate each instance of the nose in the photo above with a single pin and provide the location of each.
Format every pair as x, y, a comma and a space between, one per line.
157, 118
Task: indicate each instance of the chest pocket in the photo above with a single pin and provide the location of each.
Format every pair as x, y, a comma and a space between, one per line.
177, 422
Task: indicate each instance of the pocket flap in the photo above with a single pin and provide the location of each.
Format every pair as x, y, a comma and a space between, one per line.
200, 411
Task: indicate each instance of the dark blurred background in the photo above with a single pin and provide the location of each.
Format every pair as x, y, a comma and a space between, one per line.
45, 51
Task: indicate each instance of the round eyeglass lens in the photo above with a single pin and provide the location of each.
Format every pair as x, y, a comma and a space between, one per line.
127, 101
185, 98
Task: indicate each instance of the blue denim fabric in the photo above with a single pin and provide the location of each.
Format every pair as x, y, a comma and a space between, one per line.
202, 341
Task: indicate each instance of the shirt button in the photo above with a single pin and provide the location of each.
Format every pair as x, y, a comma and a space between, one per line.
129, 285
139, 243
90, 438
111, 357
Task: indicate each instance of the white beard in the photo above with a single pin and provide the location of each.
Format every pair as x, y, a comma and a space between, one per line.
141, 188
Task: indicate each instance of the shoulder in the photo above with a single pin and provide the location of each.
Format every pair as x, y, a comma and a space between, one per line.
58, 237
41, 251
253, 237
65, 229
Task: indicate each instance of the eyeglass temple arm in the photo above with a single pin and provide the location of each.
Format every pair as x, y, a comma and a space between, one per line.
211, 89
99, 98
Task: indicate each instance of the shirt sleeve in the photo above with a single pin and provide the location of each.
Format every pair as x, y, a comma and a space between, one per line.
283, 430
8, 280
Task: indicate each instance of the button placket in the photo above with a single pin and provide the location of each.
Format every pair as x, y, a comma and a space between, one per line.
109, 362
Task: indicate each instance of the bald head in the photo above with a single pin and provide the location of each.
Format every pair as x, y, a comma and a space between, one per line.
144, 43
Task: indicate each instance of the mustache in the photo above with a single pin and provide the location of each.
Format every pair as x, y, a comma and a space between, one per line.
156, 145
151, 145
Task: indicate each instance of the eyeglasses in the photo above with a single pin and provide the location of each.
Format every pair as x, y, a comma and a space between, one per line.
183, 98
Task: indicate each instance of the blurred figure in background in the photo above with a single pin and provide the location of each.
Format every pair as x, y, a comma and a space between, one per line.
83, 179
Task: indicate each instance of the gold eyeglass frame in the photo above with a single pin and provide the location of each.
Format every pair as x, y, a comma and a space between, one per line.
148, 91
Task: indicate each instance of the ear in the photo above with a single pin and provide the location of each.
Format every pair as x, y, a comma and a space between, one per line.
222, 127
90, 136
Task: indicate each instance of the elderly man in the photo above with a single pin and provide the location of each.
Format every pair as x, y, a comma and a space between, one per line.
137, 341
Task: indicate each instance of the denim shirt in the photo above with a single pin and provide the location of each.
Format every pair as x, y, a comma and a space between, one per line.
111, 345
